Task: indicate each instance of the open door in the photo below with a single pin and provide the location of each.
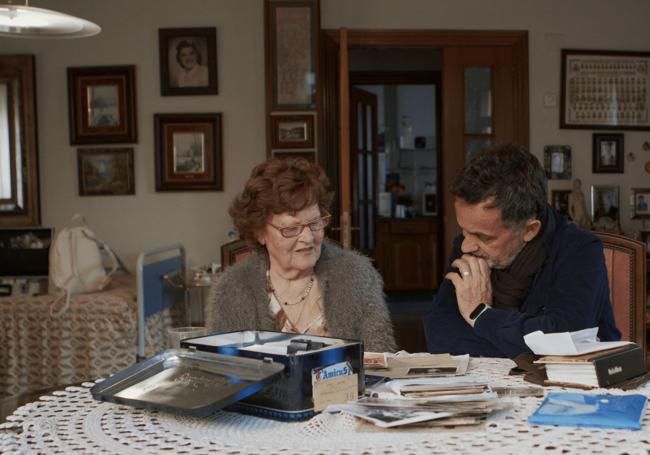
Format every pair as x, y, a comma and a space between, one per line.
484, 101
363, 164
481, 106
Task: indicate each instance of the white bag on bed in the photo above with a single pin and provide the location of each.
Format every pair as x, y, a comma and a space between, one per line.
76, 264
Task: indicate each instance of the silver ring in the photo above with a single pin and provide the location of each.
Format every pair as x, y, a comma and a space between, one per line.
467, 273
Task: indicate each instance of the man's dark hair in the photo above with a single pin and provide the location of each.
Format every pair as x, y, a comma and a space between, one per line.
510, 175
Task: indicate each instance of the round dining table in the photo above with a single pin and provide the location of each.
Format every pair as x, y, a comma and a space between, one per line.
71, 421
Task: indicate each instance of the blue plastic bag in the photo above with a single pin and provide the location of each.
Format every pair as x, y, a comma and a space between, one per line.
584, 410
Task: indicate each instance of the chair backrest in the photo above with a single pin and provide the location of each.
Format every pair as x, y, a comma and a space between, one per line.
156, 293
626, 271
233, 252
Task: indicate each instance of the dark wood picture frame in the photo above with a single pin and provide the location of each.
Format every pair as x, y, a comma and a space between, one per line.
605, 90
560, 201
644, 236
557, 161
641, 203
23, 206
608, 153
101, 104
188, 152
291, 53
294, 155
105, 171
233, 252
292, 131
199, 46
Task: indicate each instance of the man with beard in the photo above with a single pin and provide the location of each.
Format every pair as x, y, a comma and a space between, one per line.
517, 266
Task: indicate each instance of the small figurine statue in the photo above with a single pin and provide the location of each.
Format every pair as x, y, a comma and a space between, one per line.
577, 206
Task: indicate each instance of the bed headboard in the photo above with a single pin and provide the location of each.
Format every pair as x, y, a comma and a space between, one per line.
155, 293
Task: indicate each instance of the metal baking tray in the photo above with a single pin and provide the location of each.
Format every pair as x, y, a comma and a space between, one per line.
184, 381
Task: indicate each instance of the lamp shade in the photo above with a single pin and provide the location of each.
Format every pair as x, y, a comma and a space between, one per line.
22, 21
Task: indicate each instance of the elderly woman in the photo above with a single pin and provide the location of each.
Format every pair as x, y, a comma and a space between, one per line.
297, 281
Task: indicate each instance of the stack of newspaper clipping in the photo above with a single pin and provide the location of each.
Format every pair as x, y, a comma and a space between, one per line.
422, 391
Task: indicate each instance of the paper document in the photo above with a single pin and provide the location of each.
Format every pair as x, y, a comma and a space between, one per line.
569, 343
415, 365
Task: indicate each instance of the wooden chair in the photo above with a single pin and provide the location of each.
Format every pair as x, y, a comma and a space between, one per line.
626, 271
233, 252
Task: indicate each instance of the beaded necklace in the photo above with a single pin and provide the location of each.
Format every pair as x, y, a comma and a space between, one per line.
303, 296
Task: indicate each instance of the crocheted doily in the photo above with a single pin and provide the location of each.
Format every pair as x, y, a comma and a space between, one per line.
71, 421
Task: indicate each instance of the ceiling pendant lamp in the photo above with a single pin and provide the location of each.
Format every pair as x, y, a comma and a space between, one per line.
24, 21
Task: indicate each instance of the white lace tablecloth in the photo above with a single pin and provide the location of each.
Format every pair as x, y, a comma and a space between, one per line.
95, 337
70, 421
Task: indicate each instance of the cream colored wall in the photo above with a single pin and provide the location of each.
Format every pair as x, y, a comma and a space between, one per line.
131, 224
552, 25
130, 36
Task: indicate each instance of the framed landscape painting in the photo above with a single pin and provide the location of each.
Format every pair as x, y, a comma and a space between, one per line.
105, 171
188, 152
101, 105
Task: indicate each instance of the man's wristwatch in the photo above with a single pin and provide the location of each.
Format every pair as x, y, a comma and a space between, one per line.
479, 310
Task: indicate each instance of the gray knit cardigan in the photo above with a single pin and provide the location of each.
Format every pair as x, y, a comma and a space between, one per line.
352, 295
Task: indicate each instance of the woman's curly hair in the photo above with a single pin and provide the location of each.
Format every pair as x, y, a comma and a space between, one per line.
278, 186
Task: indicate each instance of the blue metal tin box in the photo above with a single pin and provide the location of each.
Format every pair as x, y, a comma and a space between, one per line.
290, 396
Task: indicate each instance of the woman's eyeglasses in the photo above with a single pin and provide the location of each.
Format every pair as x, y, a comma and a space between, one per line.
295, 230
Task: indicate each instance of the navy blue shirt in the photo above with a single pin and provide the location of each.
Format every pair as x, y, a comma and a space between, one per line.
570, 292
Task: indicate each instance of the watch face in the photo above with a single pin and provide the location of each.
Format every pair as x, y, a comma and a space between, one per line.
474, 314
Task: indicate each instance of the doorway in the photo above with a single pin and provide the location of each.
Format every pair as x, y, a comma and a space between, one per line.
401, 236
500, 58
483, 99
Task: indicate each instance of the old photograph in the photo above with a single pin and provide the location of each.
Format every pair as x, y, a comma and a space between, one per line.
189, 153
188, 61
103, 106
557, 161
608, 153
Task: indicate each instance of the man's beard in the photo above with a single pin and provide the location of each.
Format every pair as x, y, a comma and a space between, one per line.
503, 265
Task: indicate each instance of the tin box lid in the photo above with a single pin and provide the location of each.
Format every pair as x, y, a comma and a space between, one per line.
185, 381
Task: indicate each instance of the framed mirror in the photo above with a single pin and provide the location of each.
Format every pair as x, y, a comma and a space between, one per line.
19, 183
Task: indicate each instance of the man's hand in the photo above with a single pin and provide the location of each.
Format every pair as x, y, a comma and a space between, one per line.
472, 283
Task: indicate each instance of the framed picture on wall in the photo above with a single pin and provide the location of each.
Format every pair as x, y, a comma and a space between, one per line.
608, 153
644, 236
557, 161
605, 90
233, 252
101, 104
292, 54
188, 61
605, 203
105, 171
188, 152
560, 201
292, 131
641, 201
292, 155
